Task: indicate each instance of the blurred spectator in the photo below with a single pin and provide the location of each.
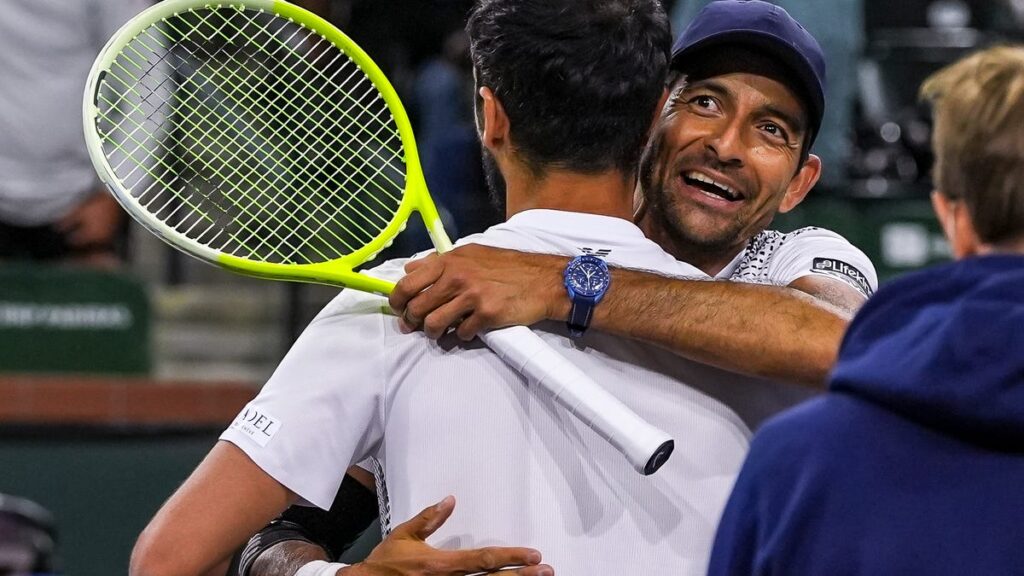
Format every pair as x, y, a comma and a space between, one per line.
422, 49
27, 538
51, 204
839, 27
1003, 16
446, 134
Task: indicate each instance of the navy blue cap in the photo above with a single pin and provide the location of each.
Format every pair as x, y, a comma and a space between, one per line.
766, 27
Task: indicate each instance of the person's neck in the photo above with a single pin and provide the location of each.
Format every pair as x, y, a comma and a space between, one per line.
604, 194
709, 261
1013, 247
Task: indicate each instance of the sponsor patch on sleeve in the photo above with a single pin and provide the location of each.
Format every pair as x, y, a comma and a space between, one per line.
842, 271
257, 424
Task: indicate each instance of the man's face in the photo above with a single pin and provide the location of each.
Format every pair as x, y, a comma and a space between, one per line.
724, 159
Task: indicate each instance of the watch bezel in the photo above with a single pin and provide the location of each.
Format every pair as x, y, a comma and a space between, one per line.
579, 263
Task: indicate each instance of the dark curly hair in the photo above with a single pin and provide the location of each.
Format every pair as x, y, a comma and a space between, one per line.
579, 79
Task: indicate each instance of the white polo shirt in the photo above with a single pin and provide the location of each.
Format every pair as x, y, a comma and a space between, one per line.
451, 418
779, 258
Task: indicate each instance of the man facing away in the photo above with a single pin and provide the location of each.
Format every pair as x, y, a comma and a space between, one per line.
731, 150
567, 92
912, 463
747, 97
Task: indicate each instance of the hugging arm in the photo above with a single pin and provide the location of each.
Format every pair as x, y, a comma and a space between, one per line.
303, 534
225, 500
789, 333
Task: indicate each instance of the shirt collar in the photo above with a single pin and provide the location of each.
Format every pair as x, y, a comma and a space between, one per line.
731, 267
583, 224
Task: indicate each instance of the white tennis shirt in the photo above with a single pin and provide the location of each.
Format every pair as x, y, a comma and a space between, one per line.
451, 418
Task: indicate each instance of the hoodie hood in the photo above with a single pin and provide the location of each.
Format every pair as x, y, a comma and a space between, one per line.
945, 347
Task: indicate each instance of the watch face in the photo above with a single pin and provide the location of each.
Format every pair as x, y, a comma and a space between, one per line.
588, 277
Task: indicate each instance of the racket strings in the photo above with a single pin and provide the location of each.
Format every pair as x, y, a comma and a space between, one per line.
190, 180
347, 93
347, 162
168, 136
234, 156
365, 91
253, 136
176, 175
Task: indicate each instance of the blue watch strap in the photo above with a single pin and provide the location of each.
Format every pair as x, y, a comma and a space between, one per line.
579, 316
586, 281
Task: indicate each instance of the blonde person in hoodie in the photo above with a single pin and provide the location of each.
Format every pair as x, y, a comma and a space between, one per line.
913, 462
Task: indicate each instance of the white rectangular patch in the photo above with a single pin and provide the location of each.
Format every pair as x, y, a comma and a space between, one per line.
258, 425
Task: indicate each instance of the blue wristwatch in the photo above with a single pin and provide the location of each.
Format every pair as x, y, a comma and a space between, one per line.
586, 279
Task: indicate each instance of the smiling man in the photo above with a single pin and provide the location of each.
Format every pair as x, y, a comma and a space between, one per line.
730, 151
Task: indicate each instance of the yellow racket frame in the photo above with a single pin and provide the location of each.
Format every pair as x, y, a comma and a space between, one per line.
340, 271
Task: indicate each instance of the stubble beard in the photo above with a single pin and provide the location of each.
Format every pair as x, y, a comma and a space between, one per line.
668, 214
496, 186
677, 222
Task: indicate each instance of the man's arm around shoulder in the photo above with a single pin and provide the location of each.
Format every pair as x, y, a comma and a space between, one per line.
789, 333
226, 500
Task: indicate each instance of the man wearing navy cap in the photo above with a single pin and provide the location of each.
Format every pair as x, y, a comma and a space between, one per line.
730, 150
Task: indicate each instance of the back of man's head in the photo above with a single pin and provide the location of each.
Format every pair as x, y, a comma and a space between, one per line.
578, 79
979, 139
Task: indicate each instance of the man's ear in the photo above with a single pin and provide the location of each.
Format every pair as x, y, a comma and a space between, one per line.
659, 110
805, 179
956, 225
495, 129
639, 204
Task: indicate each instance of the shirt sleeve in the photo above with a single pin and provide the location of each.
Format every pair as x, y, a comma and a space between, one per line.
321, 411
819, 252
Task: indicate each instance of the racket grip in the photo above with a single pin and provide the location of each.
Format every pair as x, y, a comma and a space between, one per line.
644, 446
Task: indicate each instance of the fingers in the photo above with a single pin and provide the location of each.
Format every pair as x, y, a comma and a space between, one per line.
469, 327
494, 559
483, 288
427, 521
420, 274
434, 309
444, 317
538, 570
439, 514
405, 547
94, 221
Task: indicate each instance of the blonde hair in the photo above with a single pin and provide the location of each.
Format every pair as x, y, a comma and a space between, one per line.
979, 138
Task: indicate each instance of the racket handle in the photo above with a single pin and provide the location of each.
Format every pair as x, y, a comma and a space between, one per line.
644, 446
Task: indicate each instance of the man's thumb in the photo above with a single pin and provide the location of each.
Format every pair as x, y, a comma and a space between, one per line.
428, 520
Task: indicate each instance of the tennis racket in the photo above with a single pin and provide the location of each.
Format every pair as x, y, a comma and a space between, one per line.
256, 136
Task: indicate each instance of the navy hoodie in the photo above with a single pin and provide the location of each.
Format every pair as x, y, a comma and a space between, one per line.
913, 463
